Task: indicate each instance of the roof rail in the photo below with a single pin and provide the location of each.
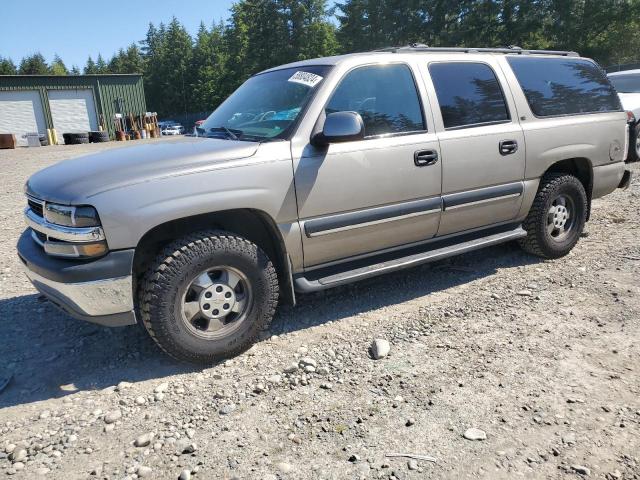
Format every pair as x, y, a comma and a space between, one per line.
419, 47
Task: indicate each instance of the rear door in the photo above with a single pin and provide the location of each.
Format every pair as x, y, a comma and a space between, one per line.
481, 141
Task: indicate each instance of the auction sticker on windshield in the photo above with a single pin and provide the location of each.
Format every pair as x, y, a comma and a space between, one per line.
306, 78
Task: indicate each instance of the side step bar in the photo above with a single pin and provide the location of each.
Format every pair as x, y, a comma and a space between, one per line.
431, 252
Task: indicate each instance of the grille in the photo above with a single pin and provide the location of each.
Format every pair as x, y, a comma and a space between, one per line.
35, 206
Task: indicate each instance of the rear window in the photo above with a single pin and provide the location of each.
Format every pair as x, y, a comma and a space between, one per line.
562, 86
469, 94
628, 83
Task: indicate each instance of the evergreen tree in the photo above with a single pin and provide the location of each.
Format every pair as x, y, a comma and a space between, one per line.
58, 67
90, 68
75, 70
7, 67
33, 65
101, 65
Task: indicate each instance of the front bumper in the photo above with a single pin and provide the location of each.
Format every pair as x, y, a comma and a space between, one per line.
98, 291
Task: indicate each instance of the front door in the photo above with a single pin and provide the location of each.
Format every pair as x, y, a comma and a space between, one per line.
482, 144
364, 196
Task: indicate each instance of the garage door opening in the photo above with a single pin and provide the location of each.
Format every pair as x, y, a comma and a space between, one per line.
21, 113
72, 111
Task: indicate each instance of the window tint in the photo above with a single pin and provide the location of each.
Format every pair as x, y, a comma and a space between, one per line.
384, 95
562, 86
468, 93
628, 83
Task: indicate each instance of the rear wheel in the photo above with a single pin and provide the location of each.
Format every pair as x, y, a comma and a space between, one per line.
557, 217
208, 296
634, 143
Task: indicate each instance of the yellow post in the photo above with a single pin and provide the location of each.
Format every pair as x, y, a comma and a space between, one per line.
49, 136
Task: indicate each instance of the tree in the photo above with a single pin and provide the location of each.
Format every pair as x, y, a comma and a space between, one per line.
75, 70
7, 67
58, 67
90, 68
208, 63
129, 61
33, 65
101, 65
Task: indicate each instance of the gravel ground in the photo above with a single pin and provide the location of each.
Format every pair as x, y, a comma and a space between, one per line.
541, 356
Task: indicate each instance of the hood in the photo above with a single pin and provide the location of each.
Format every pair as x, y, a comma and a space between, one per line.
631, 102
76, 180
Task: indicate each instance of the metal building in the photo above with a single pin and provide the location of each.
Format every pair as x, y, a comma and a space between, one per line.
70, 103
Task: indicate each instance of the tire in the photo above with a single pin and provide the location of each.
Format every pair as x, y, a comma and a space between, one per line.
98, 137
169, 286
634, 143
543, 238
75, 138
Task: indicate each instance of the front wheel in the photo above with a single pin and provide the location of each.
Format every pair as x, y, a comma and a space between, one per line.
207, 296
557, 216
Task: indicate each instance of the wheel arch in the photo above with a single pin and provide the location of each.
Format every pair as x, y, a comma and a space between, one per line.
252, 224
582, 169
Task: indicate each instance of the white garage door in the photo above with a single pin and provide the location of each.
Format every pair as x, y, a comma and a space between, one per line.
21, 112
72, 111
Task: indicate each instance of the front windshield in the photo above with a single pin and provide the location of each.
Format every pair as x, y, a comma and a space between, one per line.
626, 83
265, 106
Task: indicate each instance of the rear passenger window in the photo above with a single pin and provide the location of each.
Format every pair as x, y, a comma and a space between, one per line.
563, 86
385, 96
469, 94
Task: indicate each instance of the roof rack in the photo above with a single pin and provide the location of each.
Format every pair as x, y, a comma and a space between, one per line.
419, 47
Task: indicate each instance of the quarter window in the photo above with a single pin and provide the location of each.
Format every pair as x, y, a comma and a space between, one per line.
563, 86
385, 96
469, 94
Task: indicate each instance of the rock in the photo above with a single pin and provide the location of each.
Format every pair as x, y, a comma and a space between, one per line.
274, 379
475, 434
18, 455
291, 368
525, 293
185, 446
582, 470
284, 467
45, 414
410, 422
569, 439
123, 386
412, 464
42, 471
113, 416
308, 362
162, 388
326, 386
18, 466
354, 458
185, 475
323, 371
227, 409
143, 440
140, 400
144, 471
380, 348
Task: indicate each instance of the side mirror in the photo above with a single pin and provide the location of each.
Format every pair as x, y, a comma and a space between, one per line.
340, 127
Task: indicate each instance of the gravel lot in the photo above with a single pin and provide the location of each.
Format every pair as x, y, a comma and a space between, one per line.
542, 356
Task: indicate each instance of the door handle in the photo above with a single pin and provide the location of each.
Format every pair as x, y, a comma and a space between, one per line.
424, 158
507, 147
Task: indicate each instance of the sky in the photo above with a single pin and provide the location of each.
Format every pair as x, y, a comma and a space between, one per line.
75, 29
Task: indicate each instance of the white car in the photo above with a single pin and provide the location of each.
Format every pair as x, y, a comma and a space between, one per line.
173, 130
627, 84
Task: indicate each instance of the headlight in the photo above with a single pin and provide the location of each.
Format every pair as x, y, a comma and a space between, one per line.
71, 216
66, 231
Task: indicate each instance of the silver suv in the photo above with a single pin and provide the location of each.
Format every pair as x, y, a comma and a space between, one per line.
321, 173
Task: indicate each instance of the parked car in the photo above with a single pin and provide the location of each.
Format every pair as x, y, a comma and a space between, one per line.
173, 130
627, 84
321, 173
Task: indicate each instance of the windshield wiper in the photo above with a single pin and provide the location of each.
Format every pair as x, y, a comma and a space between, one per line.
230, 133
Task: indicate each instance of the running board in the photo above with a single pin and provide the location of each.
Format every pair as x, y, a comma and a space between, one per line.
431, 252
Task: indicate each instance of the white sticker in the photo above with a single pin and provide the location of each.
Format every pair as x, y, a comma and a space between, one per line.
306, 78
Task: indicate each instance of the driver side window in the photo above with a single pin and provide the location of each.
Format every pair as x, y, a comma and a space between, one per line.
385, 96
